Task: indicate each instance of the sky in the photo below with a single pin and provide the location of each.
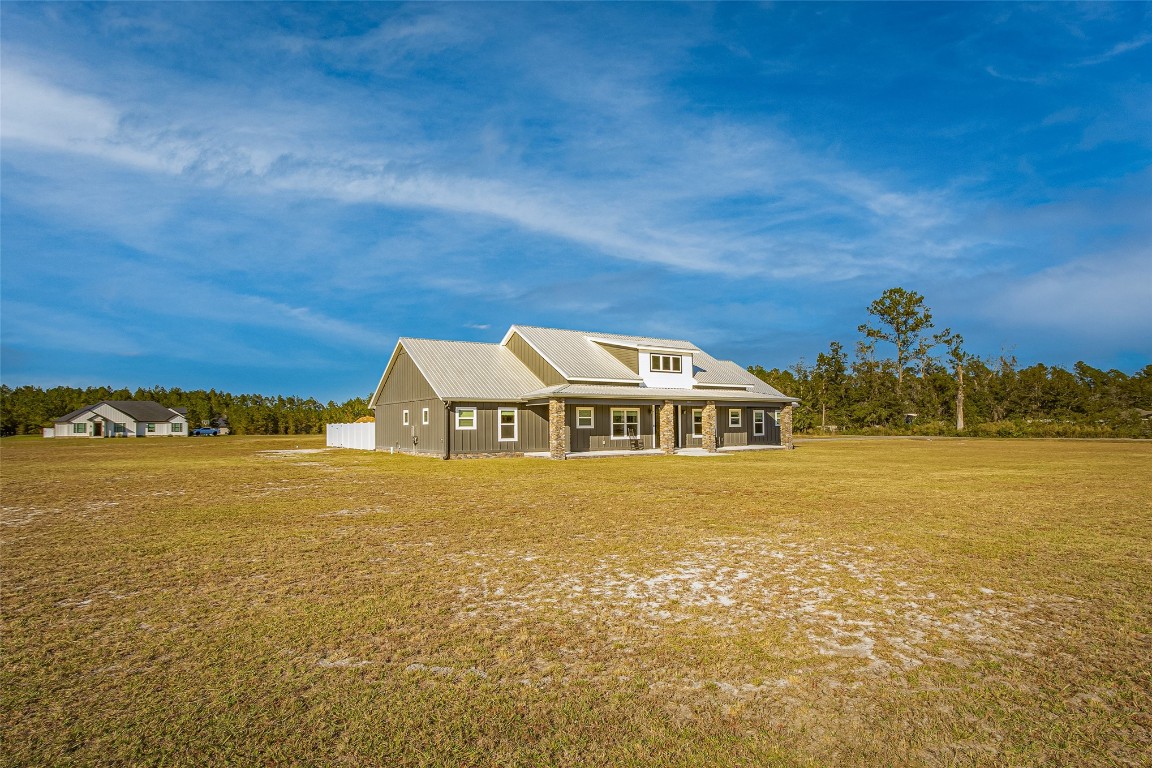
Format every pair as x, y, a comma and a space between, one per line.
264, 197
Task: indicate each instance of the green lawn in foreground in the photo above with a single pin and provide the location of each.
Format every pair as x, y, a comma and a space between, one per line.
895, 602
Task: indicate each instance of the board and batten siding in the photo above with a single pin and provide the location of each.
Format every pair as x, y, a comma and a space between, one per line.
532, 359
731, 437
407, 389
531, 429
630, 357
599, 437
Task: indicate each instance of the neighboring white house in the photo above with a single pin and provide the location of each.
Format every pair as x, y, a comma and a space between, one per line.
122, 418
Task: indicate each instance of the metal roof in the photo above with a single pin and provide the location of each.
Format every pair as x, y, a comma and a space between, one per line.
574, 355
469, 370
595, 391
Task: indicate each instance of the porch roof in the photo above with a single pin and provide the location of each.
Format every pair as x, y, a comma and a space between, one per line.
603, 392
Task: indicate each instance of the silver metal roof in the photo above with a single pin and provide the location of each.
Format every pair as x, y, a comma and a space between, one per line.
574, 355
716, 372
468, 370
596, 391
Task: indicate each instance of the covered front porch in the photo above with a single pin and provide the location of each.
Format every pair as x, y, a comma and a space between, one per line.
616, 426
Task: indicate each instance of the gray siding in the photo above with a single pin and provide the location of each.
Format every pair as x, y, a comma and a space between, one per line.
630, 357
599, 438
732, 436
540, 367
407, 389
531, 430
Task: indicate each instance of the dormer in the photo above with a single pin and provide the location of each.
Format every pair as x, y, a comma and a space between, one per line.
666, 368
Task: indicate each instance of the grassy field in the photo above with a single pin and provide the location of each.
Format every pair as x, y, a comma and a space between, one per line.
253, 601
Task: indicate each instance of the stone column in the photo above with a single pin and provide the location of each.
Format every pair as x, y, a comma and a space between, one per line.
668, 427
709, 427
557, 444
786, 427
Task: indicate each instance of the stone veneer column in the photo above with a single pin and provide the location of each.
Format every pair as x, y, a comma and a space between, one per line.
557, 445
786, 427
709, 427
668, 427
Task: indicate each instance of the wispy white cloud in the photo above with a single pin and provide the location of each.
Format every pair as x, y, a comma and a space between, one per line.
1117, 50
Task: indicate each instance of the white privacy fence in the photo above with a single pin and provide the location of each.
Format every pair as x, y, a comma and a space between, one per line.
362, 437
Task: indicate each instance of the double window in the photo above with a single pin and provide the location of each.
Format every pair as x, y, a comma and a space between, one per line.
585, 418
177, 426
758, 423
667, 363
150, 427
507, 424
79, 429
625, 423
465, 418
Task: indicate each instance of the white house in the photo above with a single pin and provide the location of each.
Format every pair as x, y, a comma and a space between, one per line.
122, 418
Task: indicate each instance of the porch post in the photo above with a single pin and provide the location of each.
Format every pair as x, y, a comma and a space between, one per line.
668, 428
709, 427
786, 427
557, 444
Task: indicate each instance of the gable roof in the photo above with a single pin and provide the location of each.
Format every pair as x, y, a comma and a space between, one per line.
577, 356
469, 370
137, 410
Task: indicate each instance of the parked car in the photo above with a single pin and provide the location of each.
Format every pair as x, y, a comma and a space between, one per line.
205, 432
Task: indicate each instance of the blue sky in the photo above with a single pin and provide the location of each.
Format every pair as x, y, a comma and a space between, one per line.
263, 197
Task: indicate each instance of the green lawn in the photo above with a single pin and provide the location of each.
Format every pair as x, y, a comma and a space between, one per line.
900, 602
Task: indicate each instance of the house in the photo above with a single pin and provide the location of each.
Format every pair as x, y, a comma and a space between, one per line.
562, 392
122, 418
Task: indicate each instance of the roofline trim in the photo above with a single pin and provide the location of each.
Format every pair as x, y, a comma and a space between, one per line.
374, 401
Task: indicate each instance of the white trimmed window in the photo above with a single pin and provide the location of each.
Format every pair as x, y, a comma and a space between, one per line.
734, 417
150, 427
758, 423
776, 418
425, 416
177, 426
625, 423
507, 424
697, 422
585, 418
405, 416
667, 363
465, 418
79, 429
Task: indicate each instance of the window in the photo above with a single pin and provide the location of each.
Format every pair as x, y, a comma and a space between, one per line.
758, 423
625, 423
425, 417
734, 417
121, 427
149, 427
465, 418
584, 418
177, 426
666, 363
79, 429
507, 424
697, 422
405, 417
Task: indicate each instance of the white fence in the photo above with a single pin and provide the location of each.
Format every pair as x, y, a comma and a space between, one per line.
362, 437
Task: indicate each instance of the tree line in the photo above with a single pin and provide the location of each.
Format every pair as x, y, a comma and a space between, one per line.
905, 377
25, 409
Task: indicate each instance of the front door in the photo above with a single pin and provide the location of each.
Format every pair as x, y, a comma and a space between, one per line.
97, 429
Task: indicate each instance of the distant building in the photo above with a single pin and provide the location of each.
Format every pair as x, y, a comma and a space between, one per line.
122, 418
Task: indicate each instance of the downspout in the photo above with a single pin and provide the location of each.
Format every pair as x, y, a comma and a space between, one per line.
447, 430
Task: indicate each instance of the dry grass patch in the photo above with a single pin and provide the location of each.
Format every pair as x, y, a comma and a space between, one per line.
265, 601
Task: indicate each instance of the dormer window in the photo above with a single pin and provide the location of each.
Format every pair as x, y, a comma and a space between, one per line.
666, 363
